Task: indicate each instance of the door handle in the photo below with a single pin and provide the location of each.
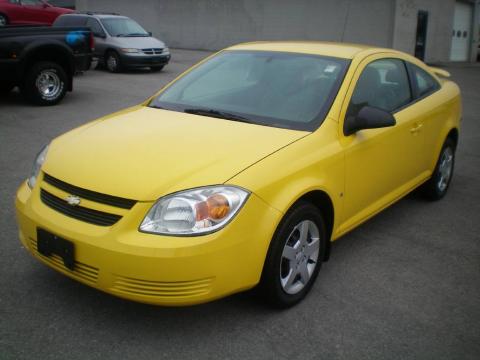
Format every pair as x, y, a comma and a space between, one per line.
416, 128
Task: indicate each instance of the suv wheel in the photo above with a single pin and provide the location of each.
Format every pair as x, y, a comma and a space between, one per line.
113, 62
45, 83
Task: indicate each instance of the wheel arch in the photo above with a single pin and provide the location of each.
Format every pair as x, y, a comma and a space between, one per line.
322, 201
54, 53
453, 134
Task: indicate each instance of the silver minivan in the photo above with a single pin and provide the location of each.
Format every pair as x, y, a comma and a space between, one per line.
120, 42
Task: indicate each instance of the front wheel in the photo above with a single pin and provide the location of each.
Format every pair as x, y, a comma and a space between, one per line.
113, 62
45, 83
437, 186
294, 257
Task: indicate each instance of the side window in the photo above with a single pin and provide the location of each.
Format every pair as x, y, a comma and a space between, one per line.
16, 2
425, 82
32, 2
95, 27
383, 84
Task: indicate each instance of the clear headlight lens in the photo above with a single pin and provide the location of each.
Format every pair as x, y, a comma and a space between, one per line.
37, 165
166, 49
130, 50
196, 211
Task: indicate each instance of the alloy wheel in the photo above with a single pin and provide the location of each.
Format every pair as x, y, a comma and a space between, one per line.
112, 63
445, 169
299, 257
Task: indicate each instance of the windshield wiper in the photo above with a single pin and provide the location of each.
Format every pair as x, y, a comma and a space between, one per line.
136, 34
218, 114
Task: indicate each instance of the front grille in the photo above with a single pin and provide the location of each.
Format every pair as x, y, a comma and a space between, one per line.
156, 51
81, 271
88, 194
162, 289
78, 212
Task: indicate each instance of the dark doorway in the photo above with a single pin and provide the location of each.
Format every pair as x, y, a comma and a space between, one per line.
421, 37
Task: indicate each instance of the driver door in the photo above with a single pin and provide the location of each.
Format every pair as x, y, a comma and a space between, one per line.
380, 164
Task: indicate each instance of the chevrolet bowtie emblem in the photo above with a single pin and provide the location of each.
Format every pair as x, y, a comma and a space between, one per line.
73, 200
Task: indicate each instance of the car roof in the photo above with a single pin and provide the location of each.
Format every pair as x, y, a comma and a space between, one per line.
334, 49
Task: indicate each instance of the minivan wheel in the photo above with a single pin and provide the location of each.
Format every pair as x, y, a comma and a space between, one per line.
294, 257
45, 83
3, 20
113, 62
436, 187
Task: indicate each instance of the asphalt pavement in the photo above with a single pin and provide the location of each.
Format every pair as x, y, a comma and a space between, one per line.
405, 285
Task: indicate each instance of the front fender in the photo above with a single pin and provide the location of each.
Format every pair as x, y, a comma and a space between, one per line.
313, 163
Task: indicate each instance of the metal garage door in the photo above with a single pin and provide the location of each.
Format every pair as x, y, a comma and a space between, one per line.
461, 34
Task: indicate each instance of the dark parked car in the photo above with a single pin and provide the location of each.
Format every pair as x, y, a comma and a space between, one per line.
29, 12
43, 60
120, 42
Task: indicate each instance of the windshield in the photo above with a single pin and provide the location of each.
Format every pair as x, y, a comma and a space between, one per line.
278, 89
123, 27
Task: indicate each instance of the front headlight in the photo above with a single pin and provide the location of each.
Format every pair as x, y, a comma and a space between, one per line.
37, 165
130, 51
194, 212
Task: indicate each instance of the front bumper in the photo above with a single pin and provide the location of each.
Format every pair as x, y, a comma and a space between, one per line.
139, 60
163, 270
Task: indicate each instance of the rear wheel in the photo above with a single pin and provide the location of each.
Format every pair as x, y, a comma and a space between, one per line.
113, 62
437, 186
294, 257
3, 20
45, 83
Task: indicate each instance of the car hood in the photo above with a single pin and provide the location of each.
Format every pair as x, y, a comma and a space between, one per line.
144, 153
137, 42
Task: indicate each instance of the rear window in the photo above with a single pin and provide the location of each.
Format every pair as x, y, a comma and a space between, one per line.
70, 20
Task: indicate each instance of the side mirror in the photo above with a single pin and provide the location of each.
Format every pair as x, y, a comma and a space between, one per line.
150, 33
368, 118
100, 35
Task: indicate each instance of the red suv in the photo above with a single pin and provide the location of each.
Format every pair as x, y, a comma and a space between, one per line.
29, 12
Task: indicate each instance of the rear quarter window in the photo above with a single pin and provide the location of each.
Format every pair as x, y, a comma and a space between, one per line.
425, 83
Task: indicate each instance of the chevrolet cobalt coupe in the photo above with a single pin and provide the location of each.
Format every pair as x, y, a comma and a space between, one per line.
241, 172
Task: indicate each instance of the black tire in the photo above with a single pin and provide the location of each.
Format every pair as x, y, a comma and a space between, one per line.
157, 68
49, 94
113, 62
436, 188
270, 288
3, 20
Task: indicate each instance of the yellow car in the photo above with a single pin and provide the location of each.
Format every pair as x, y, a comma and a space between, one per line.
240, 172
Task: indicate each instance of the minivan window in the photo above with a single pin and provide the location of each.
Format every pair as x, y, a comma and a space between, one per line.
70, 20
95, 26
118, 26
